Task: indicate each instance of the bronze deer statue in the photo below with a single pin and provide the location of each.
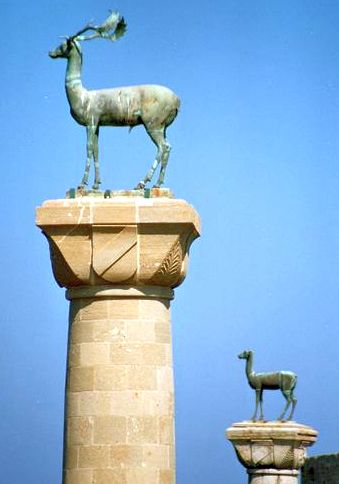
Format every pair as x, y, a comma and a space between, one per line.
151, 105
280, 380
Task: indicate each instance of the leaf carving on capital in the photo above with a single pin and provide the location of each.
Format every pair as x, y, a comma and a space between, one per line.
170, 271
286, 460
300, 455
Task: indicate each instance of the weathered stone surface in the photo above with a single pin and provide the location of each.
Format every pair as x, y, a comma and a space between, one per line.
123, 240
273, 452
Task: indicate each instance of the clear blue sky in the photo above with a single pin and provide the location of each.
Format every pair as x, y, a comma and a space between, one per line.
255, 150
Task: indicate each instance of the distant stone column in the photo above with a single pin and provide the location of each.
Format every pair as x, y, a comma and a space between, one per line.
272, 452
119, 259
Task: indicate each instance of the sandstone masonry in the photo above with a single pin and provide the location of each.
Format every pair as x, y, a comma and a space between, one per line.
119, 260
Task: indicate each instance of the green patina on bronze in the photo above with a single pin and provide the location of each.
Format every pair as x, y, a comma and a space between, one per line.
153, 106
279, 380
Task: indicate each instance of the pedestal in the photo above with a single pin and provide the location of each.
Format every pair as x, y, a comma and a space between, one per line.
272, 452
119, 259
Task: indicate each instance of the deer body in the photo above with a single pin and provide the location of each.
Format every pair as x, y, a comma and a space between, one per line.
151, 105
280, 380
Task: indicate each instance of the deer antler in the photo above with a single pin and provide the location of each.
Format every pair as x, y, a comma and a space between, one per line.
112, 28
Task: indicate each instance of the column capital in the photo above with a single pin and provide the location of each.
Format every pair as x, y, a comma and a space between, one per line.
121, 241
271, 445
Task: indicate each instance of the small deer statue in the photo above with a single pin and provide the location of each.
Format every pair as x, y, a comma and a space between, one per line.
280, 380
151, 105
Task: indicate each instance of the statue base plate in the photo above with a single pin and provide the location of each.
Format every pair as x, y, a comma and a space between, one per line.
139, 192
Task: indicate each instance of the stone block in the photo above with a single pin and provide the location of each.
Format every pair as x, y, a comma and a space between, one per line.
72, 404
166, 430
139, 354
165, 378
123, 309
110, 429
93, 309
166, 476
79, 431
92, 354
81, 379
142, 476
90, 331
140, 331
111, 331
109, 476
155, 310
74, 355
94, 403
81, 332
156, 456
127, 403
126, 455
110, 378
78, 476
143, 430
162, 332
71, 457
94, 456
142, 377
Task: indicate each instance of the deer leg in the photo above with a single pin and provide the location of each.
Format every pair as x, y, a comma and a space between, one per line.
97, 180
287, 395
164, 161
89, 150
165, 152
260, 404
294, 402
149, 175
158, 138
257, 397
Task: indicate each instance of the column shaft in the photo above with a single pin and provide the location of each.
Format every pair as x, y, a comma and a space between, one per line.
272, 476
119, 403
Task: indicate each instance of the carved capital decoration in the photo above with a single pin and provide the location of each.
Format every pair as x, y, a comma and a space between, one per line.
120, 241
271, 445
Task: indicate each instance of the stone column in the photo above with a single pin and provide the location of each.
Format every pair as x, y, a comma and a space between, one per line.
272, 452
119, 259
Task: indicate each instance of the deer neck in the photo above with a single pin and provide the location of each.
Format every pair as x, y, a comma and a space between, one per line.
73, 83
249, 367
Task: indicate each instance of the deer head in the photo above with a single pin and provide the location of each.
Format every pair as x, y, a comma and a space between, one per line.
112, 29
244, 355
